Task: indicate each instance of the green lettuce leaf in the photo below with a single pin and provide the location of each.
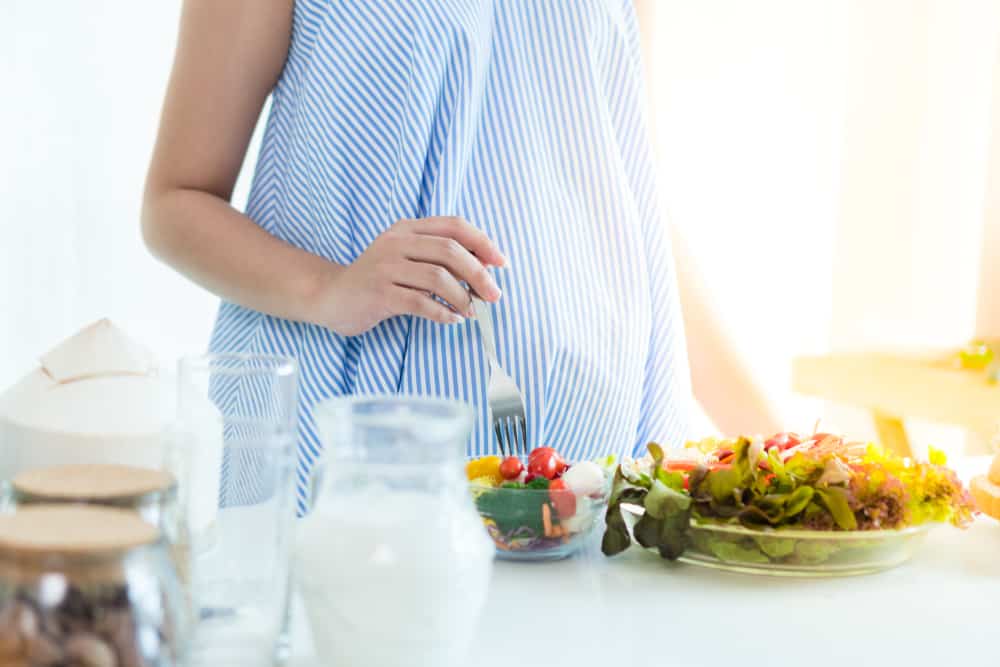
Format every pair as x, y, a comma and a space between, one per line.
722, 484
814, 552
662, 501
735, 553
834, 499
798, 500
775, 547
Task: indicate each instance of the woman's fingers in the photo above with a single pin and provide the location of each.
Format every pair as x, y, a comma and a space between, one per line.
408, 301
437, 280
475, 241
453, 256
417, 265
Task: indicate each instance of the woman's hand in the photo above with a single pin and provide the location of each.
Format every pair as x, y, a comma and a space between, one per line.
405, 268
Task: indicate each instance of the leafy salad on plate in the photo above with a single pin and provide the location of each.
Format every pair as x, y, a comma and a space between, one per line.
787, 501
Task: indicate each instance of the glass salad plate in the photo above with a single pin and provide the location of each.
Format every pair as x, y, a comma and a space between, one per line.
540, 507
530, 524
800, 553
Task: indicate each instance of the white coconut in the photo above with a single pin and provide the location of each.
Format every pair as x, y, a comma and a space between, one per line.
98, 397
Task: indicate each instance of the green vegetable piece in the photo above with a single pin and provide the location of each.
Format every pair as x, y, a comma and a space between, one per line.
616, 538
673, 480
814, 552
666, 522
623, 483
771, 506
663, 500
722, 484
741, 458
607, 463
513, 485
777, 465
647, 531
511, 511
657, 453
675, 533
632, 474
538, 483
834, 499
775, 547
733, 552
798, 500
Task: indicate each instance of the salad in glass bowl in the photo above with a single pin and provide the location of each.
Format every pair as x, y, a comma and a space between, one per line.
539, 509
794, 505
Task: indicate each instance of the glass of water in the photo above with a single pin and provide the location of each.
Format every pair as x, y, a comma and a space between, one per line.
234, 454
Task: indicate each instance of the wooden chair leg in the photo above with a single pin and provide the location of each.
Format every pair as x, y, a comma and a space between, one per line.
892, 433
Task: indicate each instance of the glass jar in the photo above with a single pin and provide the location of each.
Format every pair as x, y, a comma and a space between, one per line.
393, 539
90, 586
152, 494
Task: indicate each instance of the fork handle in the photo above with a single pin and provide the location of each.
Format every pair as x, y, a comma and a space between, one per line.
485, 319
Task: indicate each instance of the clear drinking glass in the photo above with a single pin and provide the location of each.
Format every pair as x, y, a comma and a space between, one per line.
234, 442
392, 562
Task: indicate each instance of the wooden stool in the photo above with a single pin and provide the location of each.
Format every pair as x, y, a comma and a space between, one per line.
895, 386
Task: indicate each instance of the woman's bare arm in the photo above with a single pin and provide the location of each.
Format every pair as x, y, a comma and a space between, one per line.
230, 54
721, 381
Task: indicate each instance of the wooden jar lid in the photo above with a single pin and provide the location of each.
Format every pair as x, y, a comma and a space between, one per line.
91, 482
44, 530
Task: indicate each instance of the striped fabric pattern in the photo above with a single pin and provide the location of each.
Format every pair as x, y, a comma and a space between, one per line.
524, 117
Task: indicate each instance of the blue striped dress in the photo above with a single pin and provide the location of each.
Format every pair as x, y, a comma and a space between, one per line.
526, 118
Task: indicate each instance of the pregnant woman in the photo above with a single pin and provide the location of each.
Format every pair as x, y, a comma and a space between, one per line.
415, 145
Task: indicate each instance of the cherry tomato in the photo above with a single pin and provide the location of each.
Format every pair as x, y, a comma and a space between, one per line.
563, 500
546, 462
539, 451
511, 467
680, 465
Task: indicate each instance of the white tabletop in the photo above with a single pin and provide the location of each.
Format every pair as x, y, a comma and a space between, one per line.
942, 608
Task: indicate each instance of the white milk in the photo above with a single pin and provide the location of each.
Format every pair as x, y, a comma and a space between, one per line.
393, 579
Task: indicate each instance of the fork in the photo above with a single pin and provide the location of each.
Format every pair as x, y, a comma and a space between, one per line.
503, 396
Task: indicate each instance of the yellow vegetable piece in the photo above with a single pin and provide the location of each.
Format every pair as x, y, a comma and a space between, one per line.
487, 466
975, 356
936, 456
481, 485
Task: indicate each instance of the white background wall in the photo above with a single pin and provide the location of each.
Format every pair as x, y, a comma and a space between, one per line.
84, 82
826, 159
750, 121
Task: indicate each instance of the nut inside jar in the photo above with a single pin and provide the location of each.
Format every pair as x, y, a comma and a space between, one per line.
87, 587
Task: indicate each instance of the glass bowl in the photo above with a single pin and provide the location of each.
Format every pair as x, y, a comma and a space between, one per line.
525, 524
800, 553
